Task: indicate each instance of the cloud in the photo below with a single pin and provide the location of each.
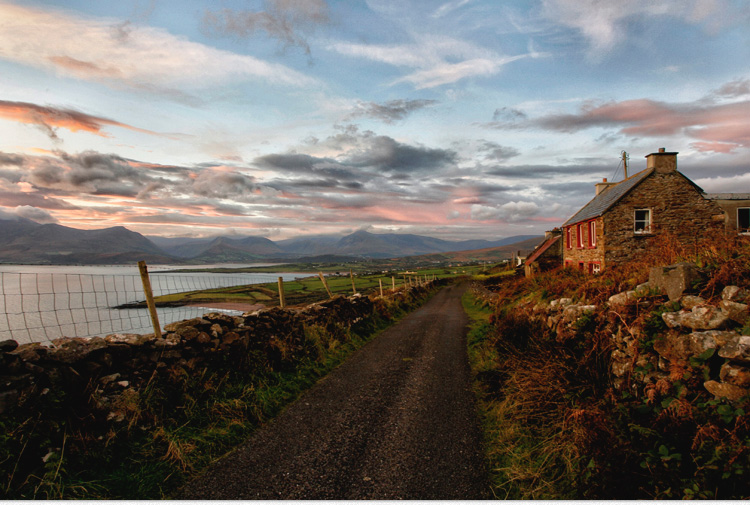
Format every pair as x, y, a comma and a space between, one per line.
390, 111
604, 24
386, 154
718, 127
49, 118
494, 152
511, 211
11, 159
35, 199
735, 89
35, 214
141, 57
285, 20
438, 60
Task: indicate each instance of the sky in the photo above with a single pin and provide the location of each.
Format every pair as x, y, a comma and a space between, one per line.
455, 119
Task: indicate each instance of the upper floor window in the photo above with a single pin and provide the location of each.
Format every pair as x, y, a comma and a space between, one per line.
579, 235
592, 233
568, 238
642, 221
743, 220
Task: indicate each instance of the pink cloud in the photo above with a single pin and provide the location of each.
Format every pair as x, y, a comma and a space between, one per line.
50, 118
719, 123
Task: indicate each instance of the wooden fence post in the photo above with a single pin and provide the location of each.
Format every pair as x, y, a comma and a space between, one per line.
354, 288
282, 301
381, 287
325, 284
393, 282
149, 298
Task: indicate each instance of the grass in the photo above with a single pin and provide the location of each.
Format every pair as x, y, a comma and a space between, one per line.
527, 456
310, 289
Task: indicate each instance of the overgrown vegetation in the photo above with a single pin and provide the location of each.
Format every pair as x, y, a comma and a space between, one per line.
170, 430
557, 426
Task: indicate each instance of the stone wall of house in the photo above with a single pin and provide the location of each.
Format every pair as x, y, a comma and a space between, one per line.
676, 208
586, 254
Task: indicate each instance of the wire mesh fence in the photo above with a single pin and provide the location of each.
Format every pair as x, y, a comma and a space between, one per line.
40, 307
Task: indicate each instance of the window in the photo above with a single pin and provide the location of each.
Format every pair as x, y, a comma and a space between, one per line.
579, 235
743, 220
568, 238
581, 266
592, 233
595, 267
642, 221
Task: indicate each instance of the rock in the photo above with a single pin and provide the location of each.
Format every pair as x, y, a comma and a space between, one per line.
680, 347
736, 375
737, 312
109, 378
724, 390
737, 349
216, 330
203, 338
560, 304
128, 338
675, 279
734, 294
621, 298
8, 345
700, 318
196, 321
689, 301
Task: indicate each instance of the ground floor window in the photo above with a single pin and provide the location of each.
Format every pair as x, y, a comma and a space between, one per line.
595, 267
743, 219
642, 221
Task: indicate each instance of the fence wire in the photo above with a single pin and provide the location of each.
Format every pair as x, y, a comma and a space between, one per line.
40, 307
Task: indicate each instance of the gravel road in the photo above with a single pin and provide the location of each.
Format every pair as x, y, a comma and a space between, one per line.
395, 421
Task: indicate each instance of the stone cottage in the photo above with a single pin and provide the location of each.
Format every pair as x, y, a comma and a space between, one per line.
617, 224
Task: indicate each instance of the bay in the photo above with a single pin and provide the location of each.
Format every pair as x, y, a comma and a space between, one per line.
39, 303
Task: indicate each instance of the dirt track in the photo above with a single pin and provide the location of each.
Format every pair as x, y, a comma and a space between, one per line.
396, 421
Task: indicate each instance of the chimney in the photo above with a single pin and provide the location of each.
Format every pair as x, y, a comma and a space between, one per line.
662, 162
601, 186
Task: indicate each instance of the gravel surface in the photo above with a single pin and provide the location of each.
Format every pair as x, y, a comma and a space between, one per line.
395, 421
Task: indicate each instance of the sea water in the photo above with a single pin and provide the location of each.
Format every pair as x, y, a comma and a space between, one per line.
39, 303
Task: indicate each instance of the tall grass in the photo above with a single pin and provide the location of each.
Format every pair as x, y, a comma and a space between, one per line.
557, 427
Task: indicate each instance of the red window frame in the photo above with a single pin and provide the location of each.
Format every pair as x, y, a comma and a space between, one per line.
579, 235
568, 239
593, 264
592, 234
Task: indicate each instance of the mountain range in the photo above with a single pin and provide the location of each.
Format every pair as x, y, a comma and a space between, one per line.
26, 241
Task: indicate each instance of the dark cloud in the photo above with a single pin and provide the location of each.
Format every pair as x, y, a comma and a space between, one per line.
391, 111
11, 159
292, 163
497, 153
289, 21
16, 198
217, 184
386, 154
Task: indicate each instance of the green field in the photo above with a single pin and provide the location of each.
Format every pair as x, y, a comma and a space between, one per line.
310, 289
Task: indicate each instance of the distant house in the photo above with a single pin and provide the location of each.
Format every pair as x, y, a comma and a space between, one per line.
546, 255
615, 226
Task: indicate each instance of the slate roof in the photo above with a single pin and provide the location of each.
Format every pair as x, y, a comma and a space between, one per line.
607, 198
540, 250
